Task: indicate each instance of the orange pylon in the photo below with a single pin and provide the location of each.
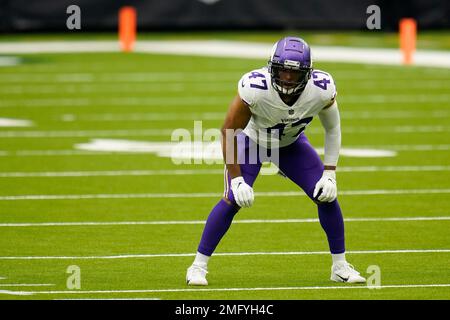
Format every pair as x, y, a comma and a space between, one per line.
127, 28
408, 35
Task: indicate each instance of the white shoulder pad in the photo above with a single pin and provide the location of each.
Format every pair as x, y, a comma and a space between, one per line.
324, 85
252, 85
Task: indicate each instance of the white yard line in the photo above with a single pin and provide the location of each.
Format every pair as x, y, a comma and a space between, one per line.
414, 147
201, 100
221, 115
212, 194
123, 101
235, 49
392, 168
191, 80
58, 47
113, 88
175, 172
354, 287
110, 78
397, 98
110, 299
387, 129
28, 153
86, 133
26, 285
77, 89
15, 293
219, 254
168, 132
201, 222
154, 116
117, 173
8, 122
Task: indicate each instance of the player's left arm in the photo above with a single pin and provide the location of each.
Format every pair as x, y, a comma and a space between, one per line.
330, 119
331, 122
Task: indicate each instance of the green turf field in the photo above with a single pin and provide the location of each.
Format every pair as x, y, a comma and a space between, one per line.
397, 207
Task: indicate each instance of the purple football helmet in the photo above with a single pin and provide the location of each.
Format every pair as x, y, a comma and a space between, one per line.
290, 55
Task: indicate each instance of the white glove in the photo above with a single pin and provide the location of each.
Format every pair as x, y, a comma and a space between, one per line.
243, 193
328, 185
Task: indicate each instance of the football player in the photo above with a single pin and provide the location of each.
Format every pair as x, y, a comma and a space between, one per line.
281, 98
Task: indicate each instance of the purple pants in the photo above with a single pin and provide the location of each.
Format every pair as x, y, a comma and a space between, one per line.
301, 164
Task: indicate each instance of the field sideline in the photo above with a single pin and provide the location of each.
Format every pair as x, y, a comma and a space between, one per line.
131, 220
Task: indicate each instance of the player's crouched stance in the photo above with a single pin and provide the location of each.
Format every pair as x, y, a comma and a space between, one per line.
280, 100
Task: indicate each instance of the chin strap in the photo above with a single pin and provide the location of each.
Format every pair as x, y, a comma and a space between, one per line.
282, 90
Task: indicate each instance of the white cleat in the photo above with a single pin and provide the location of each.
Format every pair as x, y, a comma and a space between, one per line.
196, 276
343, 271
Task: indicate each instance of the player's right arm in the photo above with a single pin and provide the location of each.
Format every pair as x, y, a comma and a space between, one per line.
237, 117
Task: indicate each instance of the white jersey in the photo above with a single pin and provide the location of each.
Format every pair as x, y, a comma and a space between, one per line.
270, 112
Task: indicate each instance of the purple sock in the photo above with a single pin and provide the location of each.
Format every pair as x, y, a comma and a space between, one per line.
331, 220
218, 222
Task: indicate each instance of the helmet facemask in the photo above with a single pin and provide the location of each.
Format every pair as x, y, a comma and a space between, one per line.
289, 80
